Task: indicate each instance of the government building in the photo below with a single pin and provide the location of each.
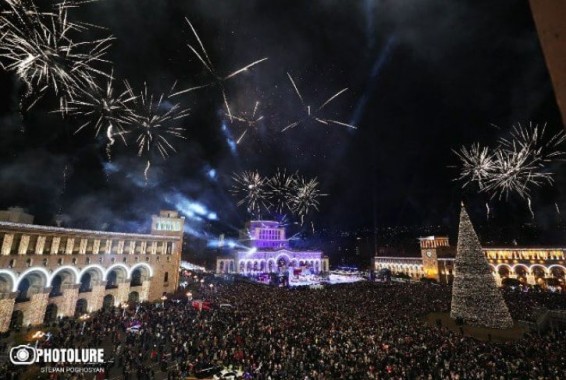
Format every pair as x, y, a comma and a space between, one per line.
264, 248
49, 272
534, 266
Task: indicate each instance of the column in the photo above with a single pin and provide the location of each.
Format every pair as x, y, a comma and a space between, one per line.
23, 248
70, 246
40, 245
95, 246
82, 246
123, 291
531, 279
144, 294
7, 244
498, 279
97, 296
36, 310
6, 309
70, 297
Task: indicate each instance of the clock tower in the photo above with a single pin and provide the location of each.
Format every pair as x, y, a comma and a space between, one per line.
433, 248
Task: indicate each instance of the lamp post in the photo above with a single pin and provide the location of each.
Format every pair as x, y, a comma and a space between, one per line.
124, 308
163, 299
211, 286
189, 296
84, 318
37, 336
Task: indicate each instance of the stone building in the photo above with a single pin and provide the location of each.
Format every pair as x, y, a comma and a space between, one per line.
49, 272
264, 248
534, 266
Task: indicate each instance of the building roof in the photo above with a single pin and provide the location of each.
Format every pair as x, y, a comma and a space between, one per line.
35, 228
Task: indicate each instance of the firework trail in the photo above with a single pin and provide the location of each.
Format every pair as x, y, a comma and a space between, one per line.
305, 197
217, 79
146, 171
39, 48
557, 208
516, 165
530, 208
250, 188
153, 120
280, 190
63, 188
111, 141
311, 114
488, 210
248, 122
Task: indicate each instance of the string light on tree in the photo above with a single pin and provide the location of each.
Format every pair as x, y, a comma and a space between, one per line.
475, 296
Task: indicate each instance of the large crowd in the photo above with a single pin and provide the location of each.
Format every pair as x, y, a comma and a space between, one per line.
349, 331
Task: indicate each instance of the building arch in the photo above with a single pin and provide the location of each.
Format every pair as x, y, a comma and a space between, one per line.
108, 302
50, 313
557, 271
134, 297
99, 270
74, 272
31, 282
118, 267
43, 273
139, 273
283, 256
81, 307
516, 266
544, 269
90, 275
142, 265
8, 281
504, 270
270, 265
557, 265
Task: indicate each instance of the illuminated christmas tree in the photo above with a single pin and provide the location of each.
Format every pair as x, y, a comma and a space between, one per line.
475, 296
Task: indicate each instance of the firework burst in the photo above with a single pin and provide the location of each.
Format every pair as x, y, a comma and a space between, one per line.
152, 121
477, 164
314, 114
217, 79
39, 48
250, 187
305, 197
103, 108
516, 165
281, 187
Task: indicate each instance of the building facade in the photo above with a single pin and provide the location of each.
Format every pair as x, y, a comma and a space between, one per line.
265, 249
49, 272
534, 266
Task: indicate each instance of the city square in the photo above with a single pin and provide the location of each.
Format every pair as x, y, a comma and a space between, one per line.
282, 190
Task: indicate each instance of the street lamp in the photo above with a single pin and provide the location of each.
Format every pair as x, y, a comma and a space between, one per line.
163, 299
189, 296
84, 318
124, 307
37, 336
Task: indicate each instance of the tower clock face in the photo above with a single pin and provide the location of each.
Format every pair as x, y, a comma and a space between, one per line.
429, 253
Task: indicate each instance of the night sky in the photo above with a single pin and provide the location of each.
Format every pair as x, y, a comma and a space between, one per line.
424, 77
